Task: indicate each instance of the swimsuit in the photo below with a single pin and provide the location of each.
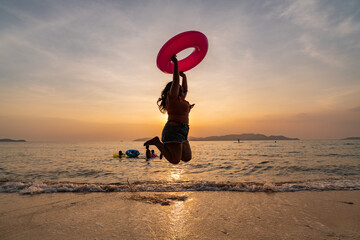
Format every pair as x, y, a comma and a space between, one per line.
175, 132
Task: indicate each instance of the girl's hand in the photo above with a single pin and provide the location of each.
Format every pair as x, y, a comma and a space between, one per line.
182, 74
174, 59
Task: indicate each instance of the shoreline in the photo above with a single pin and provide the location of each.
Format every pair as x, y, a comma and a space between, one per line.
181, 215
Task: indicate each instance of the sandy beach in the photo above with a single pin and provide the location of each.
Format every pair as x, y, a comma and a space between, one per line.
184, 215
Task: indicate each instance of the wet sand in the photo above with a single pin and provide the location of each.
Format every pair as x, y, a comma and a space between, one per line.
185, 215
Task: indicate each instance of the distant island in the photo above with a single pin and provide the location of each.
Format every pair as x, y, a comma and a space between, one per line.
351, 138
141, 139
11, 140
245, 136
234, 137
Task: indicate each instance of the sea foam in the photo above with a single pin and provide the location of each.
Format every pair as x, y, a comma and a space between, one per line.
179, 186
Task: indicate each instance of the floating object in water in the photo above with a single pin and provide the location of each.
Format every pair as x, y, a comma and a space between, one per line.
116, 155
182, 41
132, 153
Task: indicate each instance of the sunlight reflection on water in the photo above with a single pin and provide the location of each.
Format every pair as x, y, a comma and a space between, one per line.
175, 174
178, 216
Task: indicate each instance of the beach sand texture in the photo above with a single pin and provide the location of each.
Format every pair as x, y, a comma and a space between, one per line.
181, 215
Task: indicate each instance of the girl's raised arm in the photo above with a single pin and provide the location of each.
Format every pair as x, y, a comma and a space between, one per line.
184, 84
174, 90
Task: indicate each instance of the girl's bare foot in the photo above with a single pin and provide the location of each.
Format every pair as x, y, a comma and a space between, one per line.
152, 141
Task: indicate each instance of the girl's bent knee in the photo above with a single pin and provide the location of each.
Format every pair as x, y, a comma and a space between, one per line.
174, 161
186, 159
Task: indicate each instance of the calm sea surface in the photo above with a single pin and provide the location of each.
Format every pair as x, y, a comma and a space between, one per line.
41, 167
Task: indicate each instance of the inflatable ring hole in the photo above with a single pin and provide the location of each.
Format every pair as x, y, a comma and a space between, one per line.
185, 53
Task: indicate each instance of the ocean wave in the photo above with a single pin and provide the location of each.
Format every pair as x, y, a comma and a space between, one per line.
336, 155
178, 186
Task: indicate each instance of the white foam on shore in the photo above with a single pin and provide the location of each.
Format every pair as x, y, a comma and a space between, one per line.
39, 187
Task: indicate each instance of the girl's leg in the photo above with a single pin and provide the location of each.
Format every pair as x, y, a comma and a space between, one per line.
171, 151
186, 152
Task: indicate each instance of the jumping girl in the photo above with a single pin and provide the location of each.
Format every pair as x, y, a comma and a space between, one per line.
174, 144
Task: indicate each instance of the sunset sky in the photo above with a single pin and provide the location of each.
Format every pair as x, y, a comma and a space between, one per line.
86, 70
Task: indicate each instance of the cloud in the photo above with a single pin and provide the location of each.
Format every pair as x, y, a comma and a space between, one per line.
305, 13
338, 97
325, 31
312, 49
333, 124
348, 26
336, 18
356, 109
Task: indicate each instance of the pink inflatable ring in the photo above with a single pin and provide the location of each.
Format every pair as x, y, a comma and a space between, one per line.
182, 41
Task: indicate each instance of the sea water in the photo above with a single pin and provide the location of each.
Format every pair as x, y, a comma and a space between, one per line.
45, 167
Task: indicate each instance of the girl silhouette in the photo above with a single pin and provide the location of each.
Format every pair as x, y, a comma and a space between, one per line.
174, 144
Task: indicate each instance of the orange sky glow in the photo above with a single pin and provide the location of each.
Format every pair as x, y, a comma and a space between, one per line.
87, 72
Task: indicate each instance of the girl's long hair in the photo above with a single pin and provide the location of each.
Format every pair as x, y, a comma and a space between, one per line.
161, 102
